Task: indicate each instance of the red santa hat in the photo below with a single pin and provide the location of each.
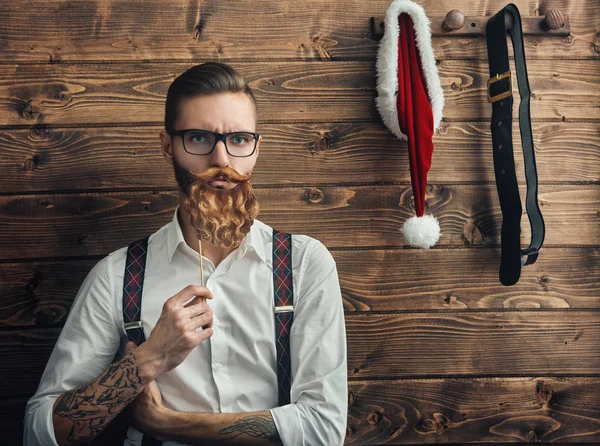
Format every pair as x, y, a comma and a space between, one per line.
410, 101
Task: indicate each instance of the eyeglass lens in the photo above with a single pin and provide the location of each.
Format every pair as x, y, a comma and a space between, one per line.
201, 143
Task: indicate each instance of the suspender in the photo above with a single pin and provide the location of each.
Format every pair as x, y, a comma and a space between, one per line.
283, 287
500, 95
133, 284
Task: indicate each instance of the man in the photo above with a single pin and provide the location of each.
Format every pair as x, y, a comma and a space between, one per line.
206, 373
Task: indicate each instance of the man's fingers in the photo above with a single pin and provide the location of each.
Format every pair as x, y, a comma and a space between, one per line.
203, 335
197, 309
204, 320
130, 346
188, 293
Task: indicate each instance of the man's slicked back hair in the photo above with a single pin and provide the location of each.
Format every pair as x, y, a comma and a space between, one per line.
205, 79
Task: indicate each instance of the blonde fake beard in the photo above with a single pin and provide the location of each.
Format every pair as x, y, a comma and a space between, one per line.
222, 217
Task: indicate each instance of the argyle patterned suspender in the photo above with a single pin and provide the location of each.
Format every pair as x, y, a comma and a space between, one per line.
283, 287
133, 284
283, 290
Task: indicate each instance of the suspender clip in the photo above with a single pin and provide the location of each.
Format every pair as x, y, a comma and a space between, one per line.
284, 309
133, 325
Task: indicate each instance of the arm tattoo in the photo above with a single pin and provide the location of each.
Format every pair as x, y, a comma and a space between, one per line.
92, 406
260, 426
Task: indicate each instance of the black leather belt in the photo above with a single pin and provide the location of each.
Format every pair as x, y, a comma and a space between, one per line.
500, 95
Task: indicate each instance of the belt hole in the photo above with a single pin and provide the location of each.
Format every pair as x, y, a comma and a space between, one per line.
499, 123
503, 171
500, 147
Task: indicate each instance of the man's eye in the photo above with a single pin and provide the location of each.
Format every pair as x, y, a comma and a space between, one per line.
197, 138
240, 139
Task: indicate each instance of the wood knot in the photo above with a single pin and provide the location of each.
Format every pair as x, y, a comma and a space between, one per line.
39, 132
315, 195
27, 110
322, 143
31, 164
472, 235
375, 417
543, 390
33, 284
436, 422
63, 96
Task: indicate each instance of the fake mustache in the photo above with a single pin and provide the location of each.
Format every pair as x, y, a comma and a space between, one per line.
221, 173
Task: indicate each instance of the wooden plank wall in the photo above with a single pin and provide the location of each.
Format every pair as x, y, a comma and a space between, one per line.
438, 350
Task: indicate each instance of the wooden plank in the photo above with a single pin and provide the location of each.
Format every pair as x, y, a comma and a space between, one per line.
41, 293
511, 343
349, 217
295, 30
417, 345
46, 159
407, 411
494, 410
285, 91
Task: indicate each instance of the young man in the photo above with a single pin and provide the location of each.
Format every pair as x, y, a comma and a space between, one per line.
207, 372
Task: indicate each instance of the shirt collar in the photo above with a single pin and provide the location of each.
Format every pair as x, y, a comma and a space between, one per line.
252, 241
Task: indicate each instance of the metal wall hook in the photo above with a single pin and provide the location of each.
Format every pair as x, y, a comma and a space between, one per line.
376, 34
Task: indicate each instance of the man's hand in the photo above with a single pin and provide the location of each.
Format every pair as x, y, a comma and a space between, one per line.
174, 336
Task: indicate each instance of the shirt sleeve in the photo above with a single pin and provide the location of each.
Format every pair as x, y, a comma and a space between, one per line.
319, 392
86, 346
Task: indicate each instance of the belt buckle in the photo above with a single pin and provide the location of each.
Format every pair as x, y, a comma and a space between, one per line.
504, 94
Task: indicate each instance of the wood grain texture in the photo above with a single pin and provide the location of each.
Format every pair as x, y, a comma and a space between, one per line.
349, 217
496, 410
425, 411
41, 293
46, 159
58, 31
504, 343
285, 91
489, 343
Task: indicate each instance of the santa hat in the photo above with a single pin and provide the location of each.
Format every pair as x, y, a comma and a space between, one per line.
410, 101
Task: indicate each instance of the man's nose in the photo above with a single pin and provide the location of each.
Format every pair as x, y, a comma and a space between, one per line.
219, 156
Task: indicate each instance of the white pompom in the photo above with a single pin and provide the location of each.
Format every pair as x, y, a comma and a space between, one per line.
422, 232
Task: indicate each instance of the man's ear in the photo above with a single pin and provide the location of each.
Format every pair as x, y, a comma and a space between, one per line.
166, 147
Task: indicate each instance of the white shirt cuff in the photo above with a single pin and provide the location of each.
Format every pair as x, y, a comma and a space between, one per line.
289, 425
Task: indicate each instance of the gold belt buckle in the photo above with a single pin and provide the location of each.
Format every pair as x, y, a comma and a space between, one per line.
504, 94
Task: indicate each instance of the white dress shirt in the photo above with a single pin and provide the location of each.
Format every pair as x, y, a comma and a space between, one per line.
235, 369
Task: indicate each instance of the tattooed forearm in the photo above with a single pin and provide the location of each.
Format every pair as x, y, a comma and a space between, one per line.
90, 407
260, 426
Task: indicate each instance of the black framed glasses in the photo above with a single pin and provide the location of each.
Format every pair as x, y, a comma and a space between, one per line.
203, 142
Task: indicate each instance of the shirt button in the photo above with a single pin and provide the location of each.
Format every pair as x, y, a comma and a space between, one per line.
215, 320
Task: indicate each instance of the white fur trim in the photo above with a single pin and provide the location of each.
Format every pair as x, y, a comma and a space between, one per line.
387, 65
422, 232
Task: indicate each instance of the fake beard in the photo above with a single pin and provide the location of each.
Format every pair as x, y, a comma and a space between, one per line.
222, 217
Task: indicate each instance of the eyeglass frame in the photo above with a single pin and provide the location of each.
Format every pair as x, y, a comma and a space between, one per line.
218, 137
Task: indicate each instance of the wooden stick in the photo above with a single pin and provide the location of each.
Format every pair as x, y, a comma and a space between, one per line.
201, 269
